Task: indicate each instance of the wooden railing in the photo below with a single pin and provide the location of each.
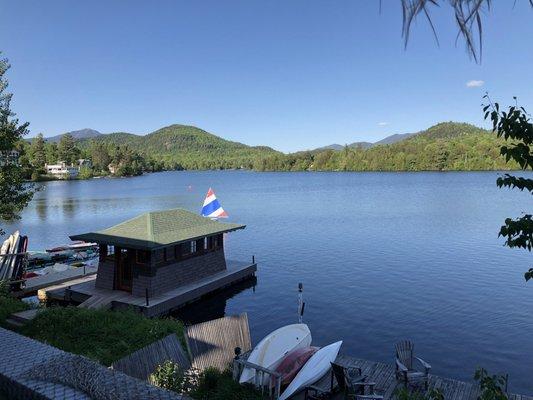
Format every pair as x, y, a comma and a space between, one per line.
266, 379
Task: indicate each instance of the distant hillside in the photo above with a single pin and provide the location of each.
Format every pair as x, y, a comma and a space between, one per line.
78, 135
448, 146
186, 147
366, 145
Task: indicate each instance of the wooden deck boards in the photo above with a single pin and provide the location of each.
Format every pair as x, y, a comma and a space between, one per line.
386, 385
164, 302
32, 285
212, 343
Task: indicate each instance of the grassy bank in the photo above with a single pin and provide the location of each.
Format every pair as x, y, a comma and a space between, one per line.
102, 335
8, 306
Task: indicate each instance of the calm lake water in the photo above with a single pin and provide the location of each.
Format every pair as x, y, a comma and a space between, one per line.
382, 256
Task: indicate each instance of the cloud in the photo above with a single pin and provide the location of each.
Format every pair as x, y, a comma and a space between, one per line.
383, 123
475, 83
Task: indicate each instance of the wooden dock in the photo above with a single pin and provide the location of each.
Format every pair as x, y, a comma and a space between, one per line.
33, 285
92, 297
386, 385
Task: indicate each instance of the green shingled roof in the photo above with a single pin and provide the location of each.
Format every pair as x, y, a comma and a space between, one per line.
157, 229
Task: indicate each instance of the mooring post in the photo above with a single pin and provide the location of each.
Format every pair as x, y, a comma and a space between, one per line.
83, 269
253, 259
147, 302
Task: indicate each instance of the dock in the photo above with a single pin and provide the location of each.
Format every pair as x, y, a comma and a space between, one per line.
88, 295
33, 285
386, 385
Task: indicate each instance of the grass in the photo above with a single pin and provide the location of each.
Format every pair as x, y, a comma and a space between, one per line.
8, 306
102, 335
216, 385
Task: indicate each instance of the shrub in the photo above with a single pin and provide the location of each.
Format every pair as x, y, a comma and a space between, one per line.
102, 335
216, 385
433, 394
168, 376
492, 387
8, 304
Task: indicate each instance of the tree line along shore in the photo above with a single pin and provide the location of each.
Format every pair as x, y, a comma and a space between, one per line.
447, 146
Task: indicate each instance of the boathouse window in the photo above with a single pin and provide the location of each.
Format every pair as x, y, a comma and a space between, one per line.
199, 245
159, 256
169, 254
186, 248
214, 242
143, 257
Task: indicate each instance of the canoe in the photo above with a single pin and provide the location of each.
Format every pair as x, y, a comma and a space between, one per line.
270, 351
314, 369
3, 251
293, 362
13, 259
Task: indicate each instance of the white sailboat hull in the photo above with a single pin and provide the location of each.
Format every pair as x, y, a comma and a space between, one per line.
314, 369
270, 351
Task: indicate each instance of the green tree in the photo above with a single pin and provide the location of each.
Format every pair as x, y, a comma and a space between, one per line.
38, 153
100, 156
14, 193
51, 153
67, 150
516, 127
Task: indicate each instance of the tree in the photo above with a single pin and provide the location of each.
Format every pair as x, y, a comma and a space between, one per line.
516, 127
100, 156
67, 150
14, 193
38, 152
51, 153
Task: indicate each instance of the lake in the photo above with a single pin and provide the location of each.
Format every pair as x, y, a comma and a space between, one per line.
382, 256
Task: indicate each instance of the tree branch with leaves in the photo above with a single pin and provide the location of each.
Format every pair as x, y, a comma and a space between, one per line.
516, 127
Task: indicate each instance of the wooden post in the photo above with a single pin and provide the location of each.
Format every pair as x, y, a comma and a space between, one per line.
253, 259
147, 301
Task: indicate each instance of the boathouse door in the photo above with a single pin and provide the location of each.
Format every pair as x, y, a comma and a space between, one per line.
123, 267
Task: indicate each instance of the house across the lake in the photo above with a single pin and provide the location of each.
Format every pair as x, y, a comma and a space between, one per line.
163, 254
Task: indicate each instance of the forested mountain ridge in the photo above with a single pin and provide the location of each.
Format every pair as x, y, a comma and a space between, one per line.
448, 146
186, 147
442, 147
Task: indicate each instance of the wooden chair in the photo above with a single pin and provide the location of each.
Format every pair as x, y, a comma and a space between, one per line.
405, 368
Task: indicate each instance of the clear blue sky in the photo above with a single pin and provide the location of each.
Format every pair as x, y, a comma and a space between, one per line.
289, 74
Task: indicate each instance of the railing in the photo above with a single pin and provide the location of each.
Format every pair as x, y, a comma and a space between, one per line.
264, 378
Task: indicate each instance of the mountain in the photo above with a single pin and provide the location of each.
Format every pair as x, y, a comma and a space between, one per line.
185, 146
447, 146
366, 145
77, 135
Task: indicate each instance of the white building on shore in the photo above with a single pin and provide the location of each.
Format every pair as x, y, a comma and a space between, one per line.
62, 170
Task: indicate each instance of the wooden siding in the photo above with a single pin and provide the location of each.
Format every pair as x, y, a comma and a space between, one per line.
142, 363
212, 343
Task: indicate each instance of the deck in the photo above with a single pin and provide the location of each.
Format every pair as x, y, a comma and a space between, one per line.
384, 377
92, 297
33, 285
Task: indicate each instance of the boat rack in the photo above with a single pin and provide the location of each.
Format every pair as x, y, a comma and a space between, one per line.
239, 363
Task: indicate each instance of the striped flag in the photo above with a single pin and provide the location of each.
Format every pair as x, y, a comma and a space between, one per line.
212, 208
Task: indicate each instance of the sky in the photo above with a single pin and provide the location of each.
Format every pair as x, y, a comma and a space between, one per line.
292, 75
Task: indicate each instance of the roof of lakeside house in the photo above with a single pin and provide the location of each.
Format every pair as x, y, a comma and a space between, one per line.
157, 229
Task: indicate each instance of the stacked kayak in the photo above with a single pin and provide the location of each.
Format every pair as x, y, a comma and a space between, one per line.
12, 254
288, 351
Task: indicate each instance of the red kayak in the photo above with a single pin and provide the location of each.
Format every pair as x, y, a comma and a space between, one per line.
293, 362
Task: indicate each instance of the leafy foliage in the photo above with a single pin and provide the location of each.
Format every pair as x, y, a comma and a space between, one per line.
102, 335
216, 385
14, 193
468, 16
405, 394
492, 387
8, 304
516, 128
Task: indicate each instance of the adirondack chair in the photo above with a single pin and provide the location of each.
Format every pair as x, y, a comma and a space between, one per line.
341, 379
405, 368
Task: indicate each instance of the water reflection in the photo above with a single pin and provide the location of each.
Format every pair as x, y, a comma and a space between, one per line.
212, 306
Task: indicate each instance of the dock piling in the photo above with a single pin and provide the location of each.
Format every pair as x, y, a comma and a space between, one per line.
147, 301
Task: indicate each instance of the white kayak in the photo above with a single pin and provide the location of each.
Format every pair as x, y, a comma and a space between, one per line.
270, 351
314, 369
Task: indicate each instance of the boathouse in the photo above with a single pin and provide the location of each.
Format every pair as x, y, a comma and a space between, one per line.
161, 251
